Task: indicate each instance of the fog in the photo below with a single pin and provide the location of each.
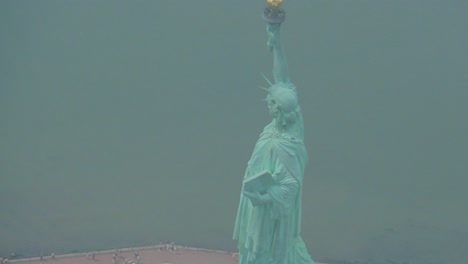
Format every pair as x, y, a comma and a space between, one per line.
126, 123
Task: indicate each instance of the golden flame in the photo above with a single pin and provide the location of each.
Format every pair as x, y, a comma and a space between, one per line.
274, 3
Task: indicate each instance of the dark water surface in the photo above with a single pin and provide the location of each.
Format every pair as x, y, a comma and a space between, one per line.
128, 123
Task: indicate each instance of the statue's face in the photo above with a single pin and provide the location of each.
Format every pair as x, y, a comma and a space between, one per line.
272, 106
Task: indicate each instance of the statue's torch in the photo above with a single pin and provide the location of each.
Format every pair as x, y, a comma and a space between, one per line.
275, 3
273, 13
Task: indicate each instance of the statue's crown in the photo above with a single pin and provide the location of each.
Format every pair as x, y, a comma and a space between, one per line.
285, 95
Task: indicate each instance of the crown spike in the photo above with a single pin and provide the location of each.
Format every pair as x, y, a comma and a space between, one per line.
269, 82
263, 88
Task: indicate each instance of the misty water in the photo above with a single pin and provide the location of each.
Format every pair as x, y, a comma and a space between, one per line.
127, 123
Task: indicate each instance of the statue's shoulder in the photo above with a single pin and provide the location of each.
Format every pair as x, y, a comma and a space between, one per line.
268, 128
292, 138
270, 133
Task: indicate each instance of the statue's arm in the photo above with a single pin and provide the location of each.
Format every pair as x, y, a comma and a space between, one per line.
283, 193
280, 66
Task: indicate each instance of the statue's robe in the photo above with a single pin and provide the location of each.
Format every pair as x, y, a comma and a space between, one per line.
270, 233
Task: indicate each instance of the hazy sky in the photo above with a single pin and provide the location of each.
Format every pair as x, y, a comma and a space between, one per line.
105, 105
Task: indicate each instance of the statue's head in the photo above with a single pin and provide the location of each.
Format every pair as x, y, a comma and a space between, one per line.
283, 103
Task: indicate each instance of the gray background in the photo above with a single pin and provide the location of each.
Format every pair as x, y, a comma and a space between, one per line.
125, 123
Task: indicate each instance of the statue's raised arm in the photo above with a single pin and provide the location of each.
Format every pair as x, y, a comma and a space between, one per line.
280, 66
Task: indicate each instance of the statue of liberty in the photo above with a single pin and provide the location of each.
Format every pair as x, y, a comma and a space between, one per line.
268, 223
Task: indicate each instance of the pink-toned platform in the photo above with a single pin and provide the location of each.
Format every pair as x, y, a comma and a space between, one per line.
148, 255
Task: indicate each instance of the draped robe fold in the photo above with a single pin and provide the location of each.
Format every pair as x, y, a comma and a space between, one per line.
270, 233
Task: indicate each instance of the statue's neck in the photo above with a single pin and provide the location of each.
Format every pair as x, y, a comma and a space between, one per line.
283, 129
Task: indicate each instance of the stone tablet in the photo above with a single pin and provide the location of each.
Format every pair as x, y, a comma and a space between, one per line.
259, 183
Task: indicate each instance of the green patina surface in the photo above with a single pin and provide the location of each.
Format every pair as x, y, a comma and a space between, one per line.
268, 224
